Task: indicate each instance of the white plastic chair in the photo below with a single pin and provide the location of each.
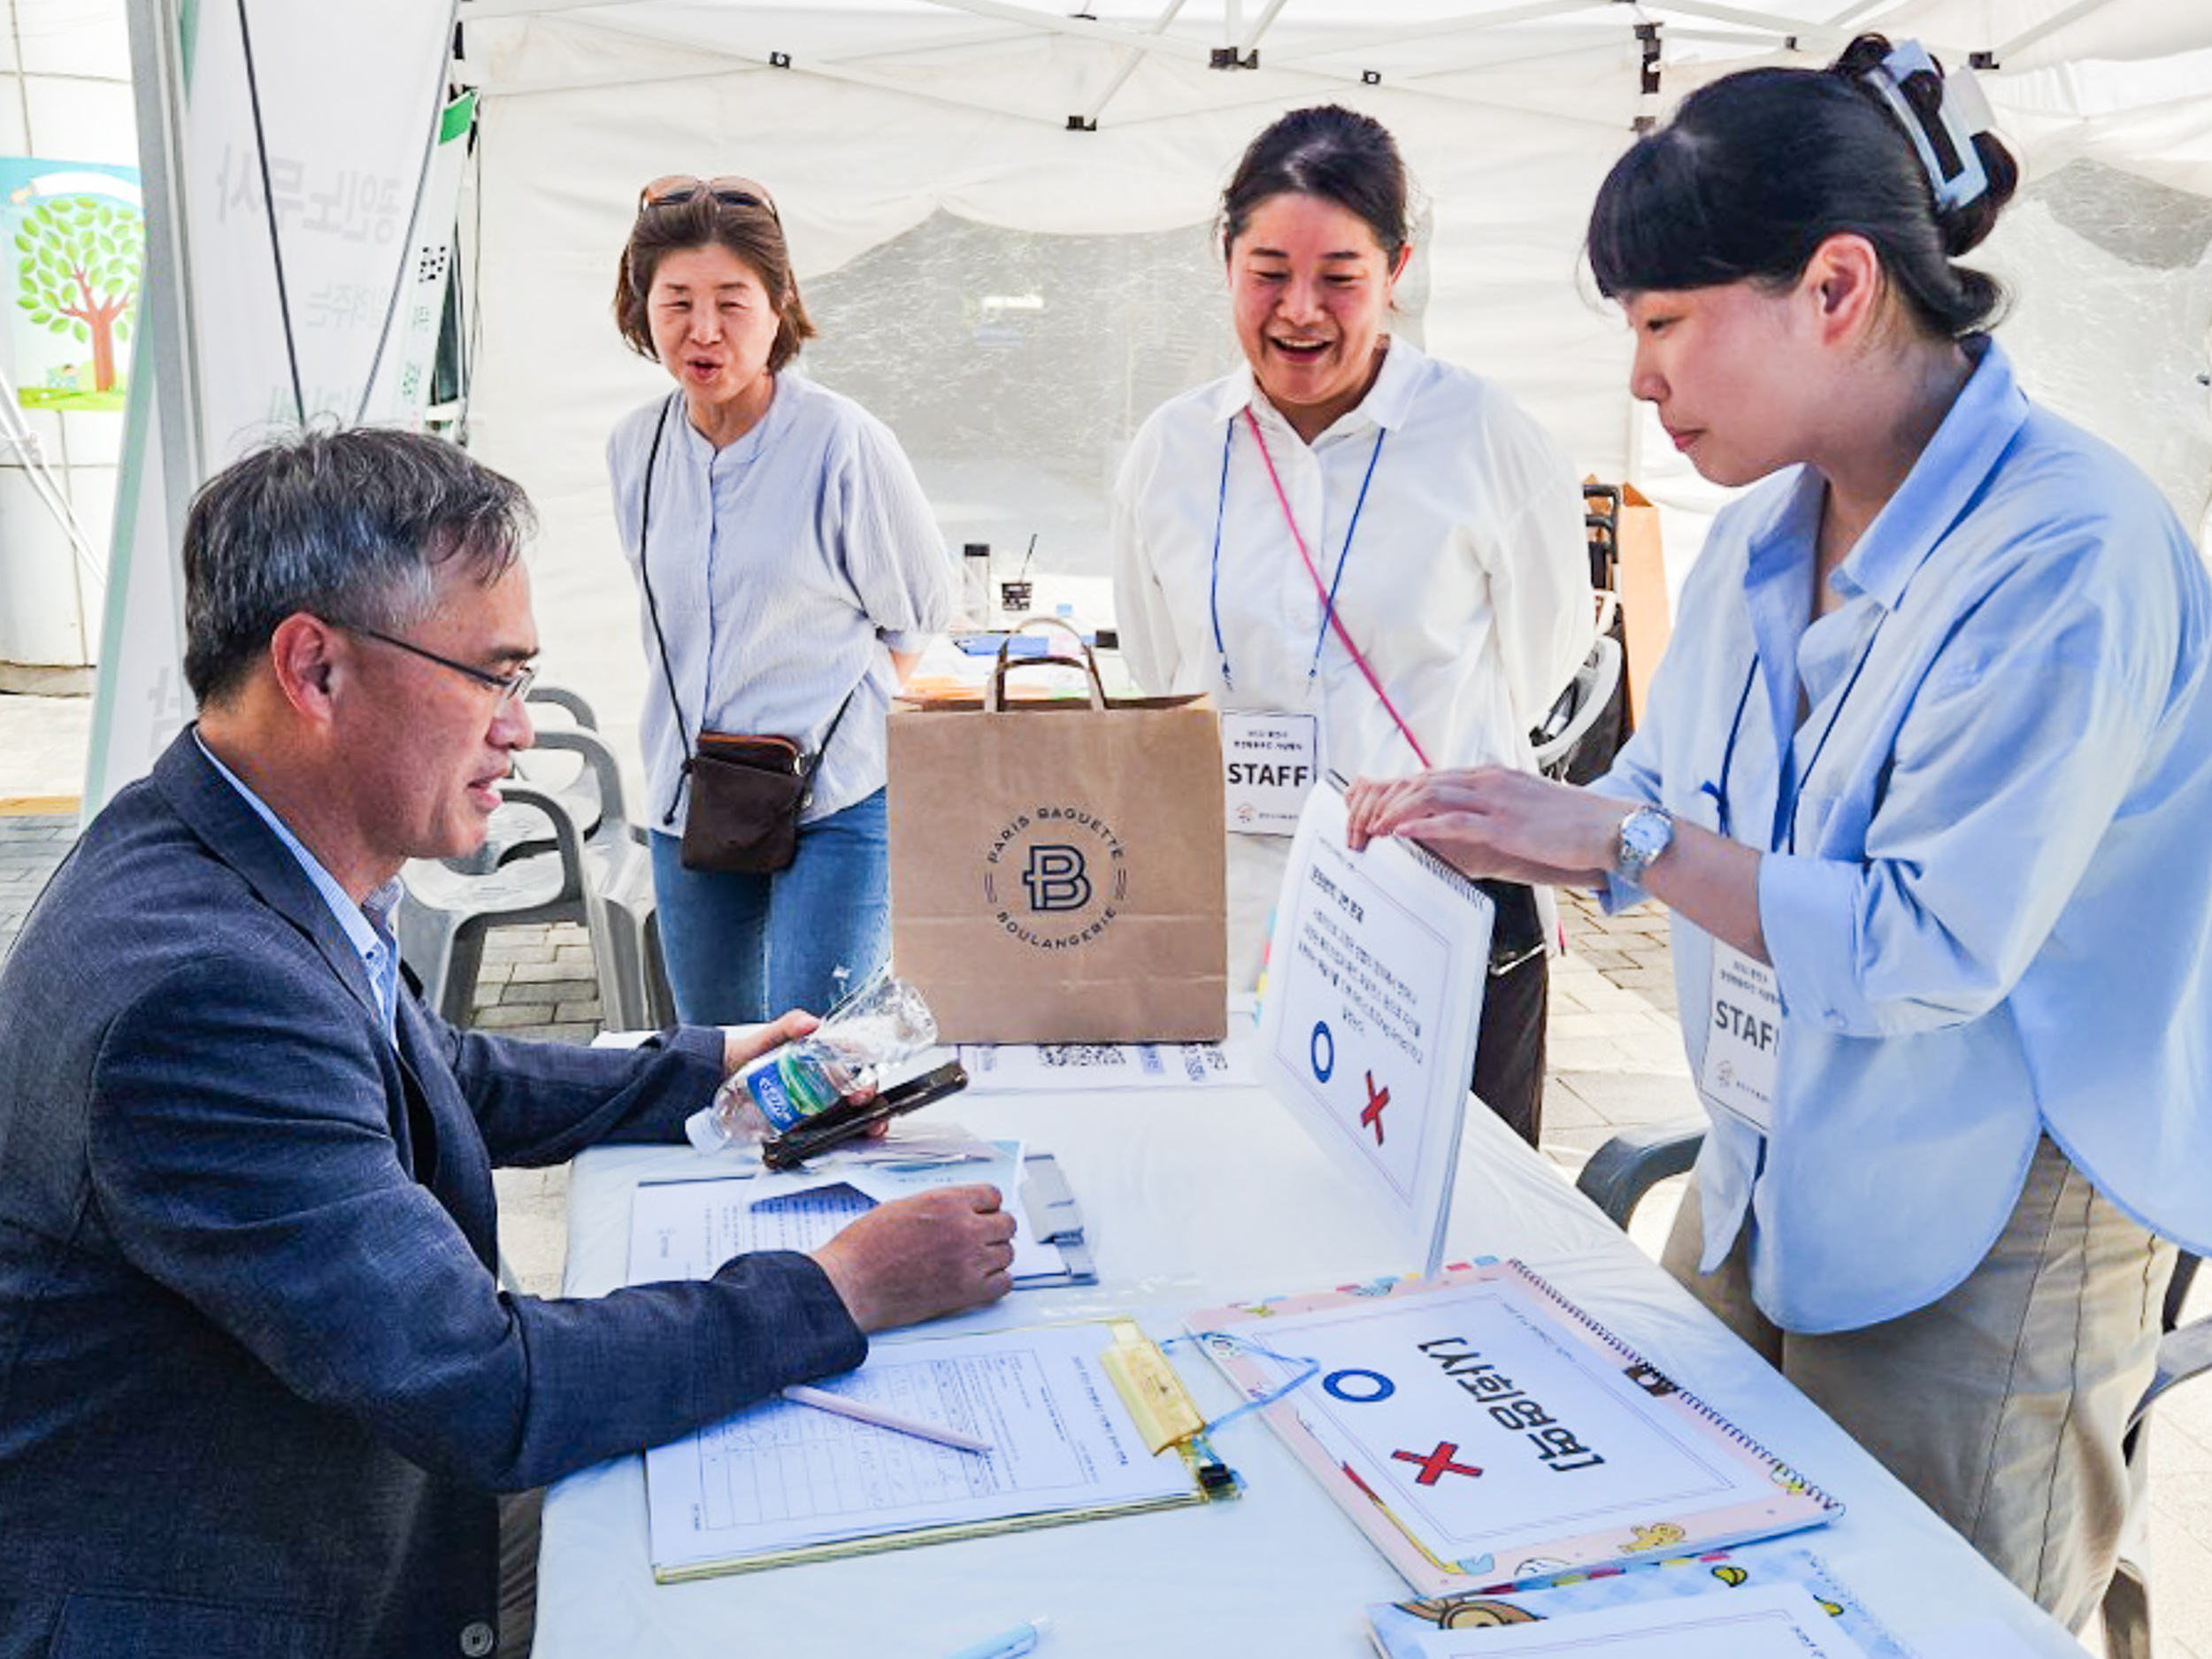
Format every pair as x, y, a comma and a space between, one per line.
441, 926
1579, 707
619, 892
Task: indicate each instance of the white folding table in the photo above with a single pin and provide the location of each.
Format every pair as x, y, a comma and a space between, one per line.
1193, 1197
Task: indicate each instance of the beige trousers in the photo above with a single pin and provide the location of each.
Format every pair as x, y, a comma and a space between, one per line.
2003, 1403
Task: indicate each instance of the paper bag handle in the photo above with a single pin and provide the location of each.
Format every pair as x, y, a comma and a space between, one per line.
995, 692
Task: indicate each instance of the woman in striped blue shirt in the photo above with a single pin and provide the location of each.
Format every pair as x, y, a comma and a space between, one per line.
790, 571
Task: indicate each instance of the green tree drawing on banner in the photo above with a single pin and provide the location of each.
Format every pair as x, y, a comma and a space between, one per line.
78, 261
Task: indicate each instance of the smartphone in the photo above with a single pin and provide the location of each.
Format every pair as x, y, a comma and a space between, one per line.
842, 1122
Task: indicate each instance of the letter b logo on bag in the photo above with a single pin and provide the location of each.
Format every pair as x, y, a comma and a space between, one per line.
1074, 876
1055, 878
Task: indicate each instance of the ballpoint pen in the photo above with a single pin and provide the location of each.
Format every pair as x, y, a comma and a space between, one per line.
860, 1411
1008, 1644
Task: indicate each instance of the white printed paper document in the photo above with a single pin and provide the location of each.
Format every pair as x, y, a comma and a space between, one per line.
1375, 977
1777, 1621
780, 1478
1009, 1067
686, 1229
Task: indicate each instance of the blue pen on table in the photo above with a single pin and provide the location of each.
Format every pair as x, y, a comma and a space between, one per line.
1008, 1644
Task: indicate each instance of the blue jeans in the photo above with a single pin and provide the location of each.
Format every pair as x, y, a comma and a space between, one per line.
741, 948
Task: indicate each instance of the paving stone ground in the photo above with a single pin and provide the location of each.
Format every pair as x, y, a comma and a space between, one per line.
1616, 1060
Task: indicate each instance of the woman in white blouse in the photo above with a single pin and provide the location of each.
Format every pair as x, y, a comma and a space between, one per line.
1374, 556
790, 570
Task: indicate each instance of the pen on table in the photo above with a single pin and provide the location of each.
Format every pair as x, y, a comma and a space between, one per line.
1008, 1644
822, 1400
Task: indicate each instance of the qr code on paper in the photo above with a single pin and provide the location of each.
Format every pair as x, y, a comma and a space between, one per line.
1081, 1056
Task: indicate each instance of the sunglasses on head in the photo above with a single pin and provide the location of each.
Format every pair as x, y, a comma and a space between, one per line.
730, 190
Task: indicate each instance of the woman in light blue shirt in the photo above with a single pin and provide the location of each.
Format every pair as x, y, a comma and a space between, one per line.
790, 571
1926, 780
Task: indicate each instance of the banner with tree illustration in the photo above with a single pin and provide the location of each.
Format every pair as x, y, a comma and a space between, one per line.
73, 236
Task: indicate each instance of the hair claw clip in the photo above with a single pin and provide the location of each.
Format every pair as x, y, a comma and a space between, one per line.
1943, 141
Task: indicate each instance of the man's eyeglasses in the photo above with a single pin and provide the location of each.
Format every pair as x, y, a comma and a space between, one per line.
729, 189
510, 687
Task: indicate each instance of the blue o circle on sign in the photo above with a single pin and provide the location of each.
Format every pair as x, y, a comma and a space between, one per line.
1338, 1383
1323, 1051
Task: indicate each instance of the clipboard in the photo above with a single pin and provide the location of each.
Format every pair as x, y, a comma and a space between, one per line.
1143, 1404
1483, 1431
1376, 973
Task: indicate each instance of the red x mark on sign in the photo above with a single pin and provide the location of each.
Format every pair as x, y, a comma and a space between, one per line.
1437, 1464
1376, 1099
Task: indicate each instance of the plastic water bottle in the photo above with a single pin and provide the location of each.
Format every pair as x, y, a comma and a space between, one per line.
881, 1024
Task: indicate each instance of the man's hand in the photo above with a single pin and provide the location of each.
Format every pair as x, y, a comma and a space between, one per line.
920, 1258
742, 1043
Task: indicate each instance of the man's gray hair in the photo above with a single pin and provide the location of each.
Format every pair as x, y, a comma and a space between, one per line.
346, 525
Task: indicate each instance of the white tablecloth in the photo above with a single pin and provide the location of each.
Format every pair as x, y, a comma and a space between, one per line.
1193, 1197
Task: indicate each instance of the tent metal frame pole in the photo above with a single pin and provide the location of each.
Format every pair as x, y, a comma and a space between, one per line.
1439, 27
166, 289
1053, 23
476, 11
1760, 22
1849, 16
1128, 67
1251, 41
22, 444
2051, 24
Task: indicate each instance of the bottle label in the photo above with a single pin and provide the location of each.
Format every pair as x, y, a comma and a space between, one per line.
790, 1090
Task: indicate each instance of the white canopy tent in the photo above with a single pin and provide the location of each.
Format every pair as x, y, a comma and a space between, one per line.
1084, 140
999, 213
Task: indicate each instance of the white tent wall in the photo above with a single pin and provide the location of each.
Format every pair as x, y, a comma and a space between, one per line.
888, 113
854, 166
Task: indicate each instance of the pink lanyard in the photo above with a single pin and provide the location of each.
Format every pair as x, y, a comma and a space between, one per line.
1327, 600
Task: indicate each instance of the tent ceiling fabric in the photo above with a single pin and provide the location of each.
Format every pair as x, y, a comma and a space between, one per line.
1116, 119
1343, 38
866, 118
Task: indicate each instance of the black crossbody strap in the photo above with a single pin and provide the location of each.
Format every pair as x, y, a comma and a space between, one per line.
645, 575
652, 610
837, 719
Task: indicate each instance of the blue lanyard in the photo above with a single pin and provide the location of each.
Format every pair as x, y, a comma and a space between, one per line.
1719, 791
1328, 609
1785, 809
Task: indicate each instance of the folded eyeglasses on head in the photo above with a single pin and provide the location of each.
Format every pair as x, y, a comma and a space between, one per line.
729, 189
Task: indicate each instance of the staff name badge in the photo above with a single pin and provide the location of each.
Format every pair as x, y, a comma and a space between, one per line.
1269, 763
1743, 1037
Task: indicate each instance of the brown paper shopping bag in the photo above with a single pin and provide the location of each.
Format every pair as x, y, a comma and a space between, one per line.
1057, 866
1643, 590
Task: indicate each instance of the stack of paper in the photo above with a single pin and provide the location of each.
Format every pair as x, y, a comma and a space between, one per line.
784, 1482
1415, 1628
1057, 1067
1776, 1622
686, 1228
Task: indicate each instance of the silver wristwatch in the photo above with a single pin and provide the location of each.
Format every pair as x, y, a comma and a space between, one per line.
1643, 835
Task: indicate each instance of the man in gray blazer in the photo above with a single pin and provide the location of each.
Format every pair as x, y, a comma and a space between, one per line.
259, 1388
